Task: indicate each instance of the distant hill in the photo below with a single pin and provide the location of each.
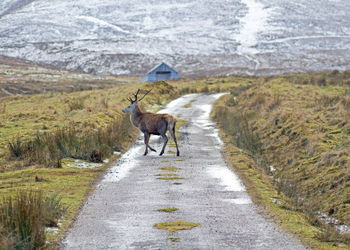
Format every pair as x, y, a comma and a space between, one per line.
196, 37
23, 77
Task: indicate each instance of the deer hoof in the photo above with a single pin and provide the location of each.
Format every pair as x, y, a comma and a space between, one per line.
178, 153
145, 153
153, 150
161, 153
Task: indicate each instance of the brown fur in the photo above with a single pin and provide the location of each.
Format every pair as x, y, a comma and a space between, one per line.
154, 124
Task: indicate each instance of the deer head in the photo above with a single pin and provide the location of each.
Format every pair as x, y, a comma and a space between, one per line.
133, 102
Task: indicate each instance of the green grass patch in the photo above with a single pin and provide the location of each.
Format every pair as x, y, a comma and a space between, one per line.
172, 239
171, 152
168, 210
167, 174
170, 168
179, 124
170, 178
176, 225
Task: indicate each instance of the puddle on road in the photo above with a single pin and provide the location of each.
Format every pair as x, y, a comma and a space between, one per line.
240, 201
123, 166
227, 178
205, 122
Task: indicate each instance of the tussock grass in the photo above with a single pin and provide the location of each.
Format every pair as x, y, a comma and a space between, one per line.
23, 218
95, 145
236, 124
298, 134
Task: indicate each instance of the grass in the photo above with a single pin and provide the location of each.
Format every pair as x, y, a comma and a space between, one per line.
41, 132
30, 120
72, 184
172, 239
170, 168
24, 120
301, 130
49, 148
24, 217
167, 174
170, 178
176, 225
171, 152
179, 123
168, 210
29, 79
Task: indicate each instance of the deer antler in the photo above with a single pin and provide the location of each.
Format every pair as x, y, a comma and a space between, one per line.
135, 95
145, 94
138, 91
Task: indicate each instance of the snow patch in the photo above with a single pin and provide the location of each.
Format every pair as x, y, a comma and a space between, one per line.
103, 23
253, 22
82, 164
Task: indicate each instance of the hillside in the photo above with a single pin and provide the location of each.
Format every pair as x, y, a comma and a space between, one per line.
21, 77
295, 130
197, 37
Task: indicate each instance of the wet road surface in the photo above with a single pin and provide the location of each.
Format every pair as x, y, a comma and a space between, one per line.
122, 211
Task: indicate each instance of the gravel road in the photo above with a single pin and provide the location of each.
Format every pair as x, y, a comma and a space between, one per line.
122, 211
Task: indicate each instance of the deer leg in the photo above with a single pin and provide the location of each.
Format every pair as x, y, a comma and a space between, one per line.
165, 142
152, 149
172, 132
146, 136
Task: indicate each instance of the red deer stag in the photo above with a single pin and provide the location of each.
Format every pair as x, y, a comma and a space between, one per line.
151, 124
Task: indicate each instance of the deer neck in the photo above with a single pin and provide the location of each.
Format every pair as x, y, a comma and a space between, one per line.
136, 116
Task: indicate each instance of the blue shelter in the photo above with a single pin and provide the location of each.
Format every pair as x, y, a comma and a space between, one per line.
161, 72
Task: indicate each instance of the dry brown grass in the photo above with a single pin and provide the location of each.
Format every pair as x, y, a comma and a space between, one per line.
303, 132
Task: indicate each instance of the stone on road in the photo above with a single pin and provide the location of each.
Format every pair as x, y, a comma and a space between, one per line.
124, 208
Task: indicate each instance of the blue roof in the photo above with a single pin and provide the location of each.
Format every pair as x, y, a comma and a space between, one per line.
161, 72
159, 66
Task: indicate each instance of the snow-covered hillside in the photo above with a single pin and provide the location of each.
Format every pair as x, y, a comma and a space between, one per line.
197, 37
